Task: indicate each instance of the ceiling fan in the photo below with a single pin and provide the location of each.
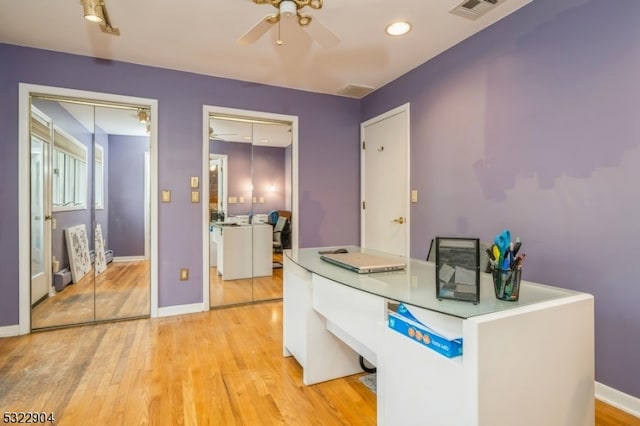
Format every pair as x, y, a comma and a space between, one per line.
288, 9
220, 136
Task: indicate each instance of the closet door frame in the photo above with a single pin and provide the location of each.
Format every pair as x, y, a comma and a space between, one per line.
207, 110
24, 226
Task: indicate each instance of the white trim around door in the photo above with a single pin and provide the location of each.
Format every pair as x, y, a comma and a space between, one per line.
24, 275
206, 111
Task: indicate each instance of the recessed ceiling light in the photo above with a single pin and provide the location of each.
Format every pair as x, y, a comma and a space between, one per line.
398, 28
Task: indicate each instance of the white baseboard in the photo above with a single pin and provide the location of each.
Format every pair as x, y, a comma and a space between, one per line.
181, 310
9, 331
128, 258
625, 402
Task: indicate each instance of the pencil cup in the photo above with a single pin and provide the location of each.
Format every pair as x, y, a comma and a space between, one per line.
506, 283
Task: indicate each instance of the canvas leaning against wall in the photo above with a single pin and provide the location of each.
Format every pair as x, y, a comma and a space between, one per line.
101, 260
78, 249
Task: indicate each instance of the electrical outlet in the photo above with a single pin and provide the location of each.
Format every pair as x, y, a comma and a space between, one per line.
184, 274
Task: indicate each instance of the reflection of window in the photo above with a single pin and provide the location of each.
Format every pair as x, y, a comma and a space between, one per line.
69, 172
99, 177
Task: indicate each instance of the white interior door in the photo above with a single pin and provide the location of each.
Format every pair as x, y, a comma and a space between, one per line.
385, 182
40, 221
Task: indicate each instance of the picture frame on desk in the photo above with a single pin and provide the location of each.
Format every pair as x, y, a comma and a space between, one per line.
458, 269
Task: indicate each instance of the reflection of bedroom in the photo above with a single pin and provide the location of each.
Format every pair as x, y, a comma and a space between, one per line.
100, 202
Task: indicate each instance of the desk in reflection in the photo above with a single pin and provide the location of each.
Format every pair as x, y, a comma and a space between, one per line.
242, 250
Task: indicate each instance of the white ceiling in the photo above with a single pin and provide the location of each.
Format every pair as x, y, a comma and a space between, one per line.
113, 121
201, 37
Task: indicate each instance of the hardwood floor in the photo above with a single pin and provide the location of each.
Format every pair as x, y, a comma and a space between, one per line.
233, 292
606, 415
222, 367
122, 291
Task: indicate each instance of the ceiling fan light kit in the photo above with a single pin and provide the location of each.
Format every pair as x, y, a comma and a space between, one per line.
288, 9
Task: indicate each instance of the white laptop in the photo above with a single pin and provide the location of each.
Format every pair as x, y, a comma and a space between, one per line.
363, 263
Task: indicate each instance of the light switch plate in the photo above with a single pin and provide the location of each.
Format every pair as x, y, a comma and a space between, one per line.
194, 182
241, 200
414, 195
184, 274
195, 196
166, 196
261, 200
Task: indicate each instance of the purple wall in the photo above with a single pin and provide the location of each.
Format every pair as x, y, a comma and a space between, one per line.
126, 197
268, 169
532, 125
328, 133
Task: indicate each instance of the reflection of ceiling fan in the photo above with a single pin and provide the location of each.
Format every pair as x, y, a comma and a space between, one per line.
287, 9
219, 136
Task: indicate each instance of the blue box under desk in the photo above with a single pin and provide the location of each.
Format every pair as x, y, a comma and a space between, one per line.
410, 327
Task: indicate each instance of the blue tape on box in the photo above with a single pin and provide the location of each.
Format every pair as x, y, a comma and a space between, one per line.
406, 324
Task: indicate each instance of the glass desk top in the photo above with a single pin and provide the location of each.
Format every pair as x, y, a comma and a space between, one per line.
416, 285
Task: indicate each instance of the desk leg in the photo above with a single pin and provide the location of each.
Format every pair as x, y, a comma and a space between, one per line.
321, 354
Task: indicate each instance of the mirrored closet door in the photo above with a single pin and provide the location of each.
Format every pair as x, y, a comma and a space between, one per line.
250, 208
89, 211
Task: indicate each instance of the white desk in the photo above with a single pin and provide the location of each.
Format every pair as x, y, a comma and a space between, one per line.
244, 251
529, 362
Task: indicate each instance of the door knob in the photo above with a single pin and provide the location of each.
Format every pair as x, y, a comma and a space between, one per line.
48, 217
399, 220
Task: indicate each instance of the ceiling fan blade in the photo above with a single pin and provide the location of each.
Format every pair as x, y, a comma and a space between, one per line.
257, 31
322, 34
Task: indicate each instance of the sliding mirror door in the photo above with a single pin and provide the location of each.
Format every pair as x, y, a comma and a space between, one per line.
121, 205
231, 273
80, 153
66, 199
271, 160
249, 186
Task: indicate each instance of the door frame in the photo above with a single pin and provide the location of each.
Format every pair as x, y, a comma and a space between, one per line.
24, 205
395, 111
259, 115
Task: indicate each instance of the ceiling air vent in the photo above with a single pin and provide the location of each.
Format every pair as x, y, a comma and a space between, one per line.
354, 91
473, 9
